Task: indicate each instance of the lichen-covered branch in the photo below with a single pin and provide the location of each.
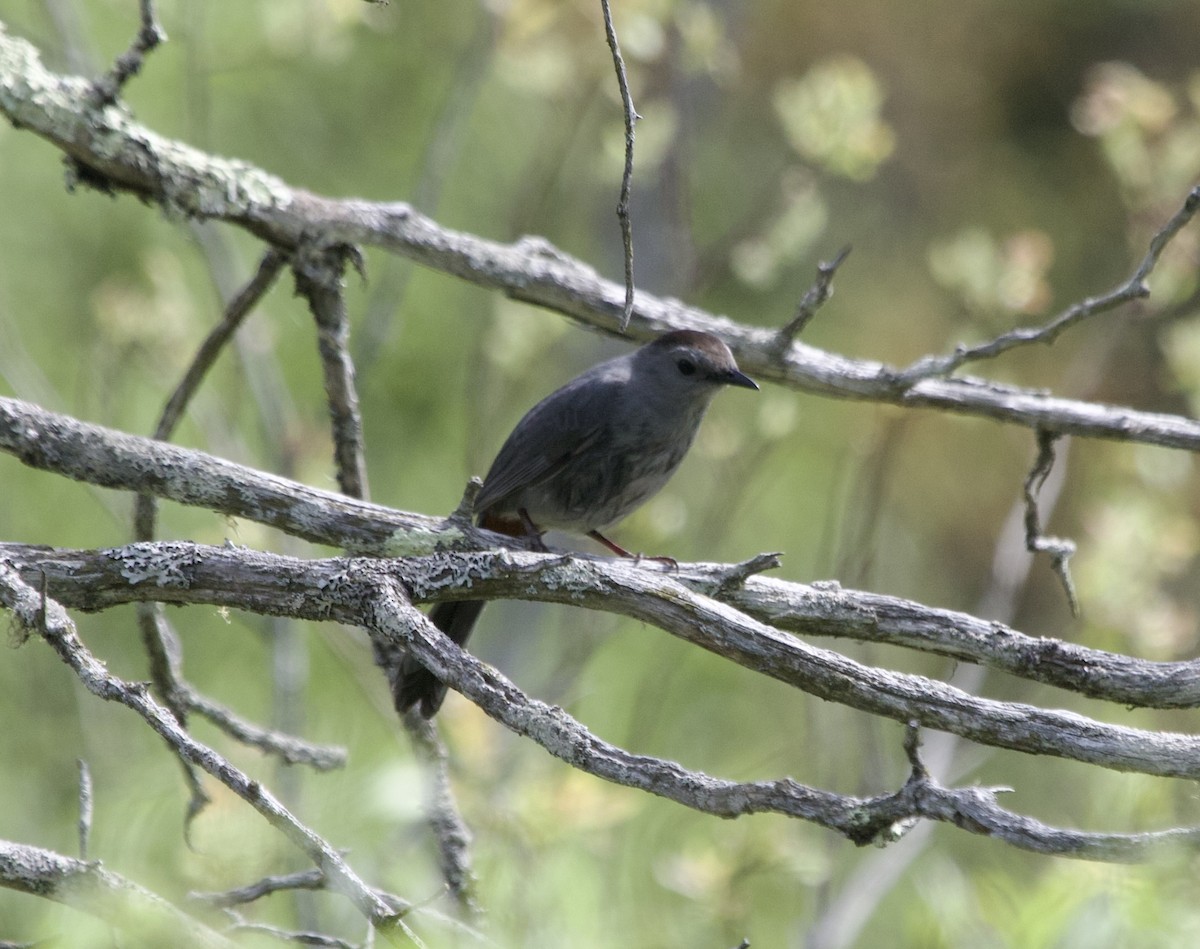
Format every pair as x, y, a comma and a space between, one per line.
336, 589
103, 456
373, 592
126, 156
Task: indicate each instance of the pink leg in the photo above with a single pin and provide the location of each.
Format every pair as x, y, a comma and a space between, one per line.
615, 548
622, 552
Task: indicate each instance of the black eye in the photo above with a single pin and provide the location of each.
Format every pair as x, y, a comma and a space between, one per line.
686, 366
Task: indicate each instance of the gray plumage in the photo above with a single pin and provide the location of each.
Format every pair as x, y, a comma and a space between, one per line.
587, 456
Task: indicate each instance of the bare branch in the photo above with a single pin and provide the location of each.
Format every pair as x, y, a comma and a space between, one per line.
61, 444
1134, 288
336, 589
861, 820
631, 118
106, 89
826, 609
159, 640
88, 887
288, 748
53, 624
310, 879
451, 832
370, 592
319, 280
130, 157
813, 299
97, 455
1059, 549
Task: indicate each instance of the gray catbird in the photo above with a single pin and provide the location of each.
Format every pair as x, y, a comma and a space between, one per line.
585, 457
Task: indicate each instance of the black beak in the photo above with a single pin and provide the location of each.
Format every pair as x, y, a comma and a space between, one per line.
738, 378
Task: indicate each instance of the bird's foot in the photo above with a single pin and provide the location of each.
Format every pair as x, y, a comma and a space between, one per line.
532, 534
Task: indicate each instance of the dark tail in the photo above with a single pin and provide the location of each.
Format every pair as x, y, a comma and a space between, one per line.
415, 683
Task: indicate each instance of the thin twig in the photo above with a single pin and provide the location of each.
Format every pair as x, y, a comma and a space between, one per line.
813, 299
300, 937
319, 279
159, 640
631, 118
1060, 549
1134, 288
241, 306
57, 628
287, 748
314, 879
738, 573
451, 832
310, 879
149, 35
85, 807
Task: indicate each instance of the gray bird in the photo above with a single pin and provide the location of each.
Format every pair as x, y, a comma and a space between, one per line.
585, 457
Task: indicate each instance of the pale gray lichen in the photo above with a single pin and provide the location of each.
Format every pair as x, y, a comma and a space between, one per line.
189, 181
164, 564
419, 542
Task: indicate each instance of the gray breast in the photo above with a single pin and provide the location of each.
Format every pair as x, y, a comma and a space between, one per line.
615, 476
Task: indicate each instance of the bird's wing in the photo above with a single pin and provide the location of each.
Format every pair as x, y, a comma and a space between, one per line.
556, 430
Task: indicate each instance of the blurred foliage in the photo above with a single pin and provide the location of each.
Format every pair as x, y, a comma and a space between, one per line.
995, 278
831, 117
989, 162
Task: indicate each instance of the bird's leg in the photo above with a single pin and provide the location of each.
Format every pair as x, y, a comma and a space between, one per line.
611, 545
532, 534
622, 552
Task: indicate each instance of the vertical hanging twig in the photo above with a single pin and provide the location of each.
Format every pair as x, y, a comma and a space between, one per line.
631, 118
319, 280
1060, 549
158, 638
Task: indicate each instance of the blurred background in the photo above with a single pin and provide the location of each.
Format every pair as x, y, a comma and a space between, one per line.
989, 162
